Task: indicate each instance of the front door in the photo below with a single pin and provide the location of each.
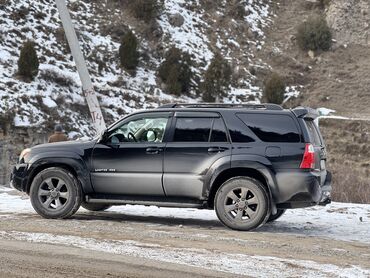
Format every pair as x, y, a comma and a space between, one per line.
129, 160
198, 141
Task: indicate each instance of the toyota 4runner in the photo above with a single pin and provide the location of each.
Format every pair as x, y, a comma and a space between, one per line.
247, 162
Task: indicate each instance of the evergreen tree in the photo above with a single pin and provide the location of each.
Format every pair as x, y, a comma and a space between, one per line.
128, 53
175, 71
217, 79
274, 89
28, 63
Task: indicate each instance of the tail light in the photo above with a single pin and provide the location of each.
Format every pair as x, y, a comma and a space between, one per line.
308, 161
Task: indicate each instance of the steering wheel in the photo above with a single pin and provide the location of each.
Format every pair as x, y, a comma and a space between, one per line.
133, 136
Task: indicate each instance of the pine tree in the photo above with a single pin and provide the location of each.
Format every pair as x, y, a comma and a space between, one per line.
217, 79
128, 53
175, 71
28, 63
274, 89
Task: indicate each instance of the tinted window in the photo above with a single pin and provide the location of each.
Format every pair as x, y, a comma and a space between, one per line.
192, 129
312, 131
218, 131
272, 128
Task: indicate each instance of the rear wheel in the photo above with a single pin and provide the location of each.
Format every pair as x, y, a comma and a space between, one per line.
55, 193
279, 213
95, 207
242, 203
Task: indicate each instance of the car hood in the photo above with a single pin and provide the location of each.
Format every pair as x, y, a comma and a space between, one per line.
68, 146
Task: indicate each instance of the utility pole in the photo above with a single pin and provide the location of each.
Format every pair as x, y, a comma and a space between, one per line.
87, 86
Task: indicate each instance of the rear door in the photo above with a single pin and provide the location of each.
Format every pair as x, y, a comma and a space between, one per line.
199, 139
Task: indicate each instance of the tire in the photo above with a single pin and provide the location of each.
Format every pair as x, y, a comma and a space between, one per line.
55, 193
95, 207
279, 213
248, 193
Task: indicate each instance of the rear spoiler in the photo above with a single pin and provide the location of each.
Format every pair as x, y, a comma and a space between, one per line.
306, 113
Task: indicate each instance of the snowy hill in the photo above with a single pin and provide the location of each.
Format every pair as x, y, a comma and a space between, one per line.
55, 95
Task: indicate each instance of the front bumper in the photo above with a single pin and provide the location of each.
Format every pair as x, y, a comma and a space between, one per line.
19, 178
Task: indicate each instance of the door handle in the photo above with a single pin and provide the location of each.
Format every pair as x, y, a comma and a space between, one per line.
216, 149
153, 150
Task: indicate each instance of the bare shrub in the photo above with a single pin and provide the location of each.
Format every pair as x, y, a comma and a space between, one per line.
350, 185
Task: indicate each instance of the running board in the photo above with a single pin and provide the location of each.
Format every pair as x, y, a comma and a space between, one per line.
157, 203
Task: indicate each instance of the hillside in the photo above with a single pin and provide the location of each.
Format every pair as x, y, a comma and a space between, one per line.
256, 37
204, 28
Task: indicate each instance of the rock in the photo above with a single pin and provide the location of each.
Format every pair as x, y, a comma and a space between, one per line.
311, 54
176, 20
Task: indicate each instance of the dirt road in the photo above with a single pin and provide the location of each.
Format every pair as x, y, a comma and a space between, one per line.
170, 243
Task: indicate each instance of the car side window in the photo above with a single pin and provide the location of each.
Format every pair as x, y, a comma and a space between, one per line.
142, 130
272, 128
218, 131
192, 129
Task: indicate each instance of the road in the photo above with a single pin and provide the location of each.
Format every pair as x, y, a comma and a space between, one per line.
150, 242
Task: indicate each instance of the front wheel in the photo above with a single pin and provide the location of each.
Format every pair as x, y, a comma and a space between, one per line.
242, 203
55, 193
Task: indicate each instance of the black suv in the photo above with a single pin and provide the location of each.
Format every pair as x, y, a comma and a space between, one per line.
248, 162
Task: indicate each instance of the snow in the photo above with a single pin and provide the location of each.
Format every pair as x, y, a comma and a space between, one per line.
49, 102
219, 261
120, 93
339, 221
325, 111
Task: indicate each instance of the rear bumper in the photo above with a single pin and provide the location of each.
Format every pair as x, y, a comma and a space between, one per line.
19, 178
304, 190
326, 191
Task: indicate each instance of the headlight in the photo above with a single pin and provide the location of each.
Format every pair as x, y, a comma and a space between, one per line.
24, 155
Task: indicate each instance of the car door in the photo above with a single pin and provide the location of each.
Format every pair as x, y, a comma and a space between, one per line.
129, 160
199, 139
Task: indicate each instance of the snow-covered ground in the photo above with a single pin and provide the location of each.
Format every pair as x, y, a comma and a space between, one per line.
340, 221
220, 261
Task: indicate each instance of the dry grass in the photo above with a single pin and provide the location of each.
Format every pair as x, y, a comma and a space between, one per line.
348, 144
350, 185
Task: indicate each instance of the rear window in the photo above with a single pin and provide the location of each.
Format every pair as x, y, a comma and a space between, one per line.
272, 128
313, 133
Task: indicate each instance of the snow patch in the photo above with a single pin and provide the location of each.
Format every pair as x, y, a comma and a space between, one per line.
213, 260
340, 221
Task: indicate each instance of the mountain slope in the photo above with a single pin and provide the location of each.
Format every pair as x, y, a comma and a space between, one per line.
55, 95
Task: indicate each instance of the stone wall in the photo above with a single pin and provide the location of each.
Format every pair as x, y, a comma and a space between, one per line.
12, 142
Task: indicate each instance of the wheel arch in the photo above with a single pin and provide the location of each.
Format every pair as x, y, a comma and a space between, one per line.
237, 172
73, 166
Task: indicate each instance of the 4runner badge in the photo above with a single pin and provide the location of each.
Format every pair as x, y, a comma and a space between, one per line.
105, 170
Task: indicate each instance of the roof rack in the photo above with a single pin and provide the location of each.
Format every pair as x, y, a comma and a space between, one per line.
264, 106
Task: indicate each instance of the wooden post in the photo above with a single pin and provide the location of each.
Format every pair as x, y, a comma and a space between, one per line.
87, 86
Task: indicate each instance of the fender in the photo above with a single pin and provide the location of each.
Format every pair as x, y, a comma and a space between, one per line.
259, 163
217, 167
58, 157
